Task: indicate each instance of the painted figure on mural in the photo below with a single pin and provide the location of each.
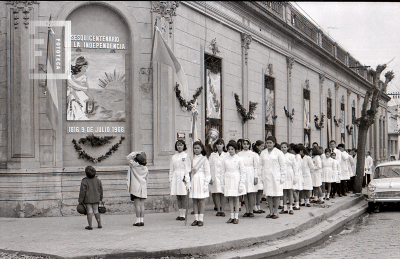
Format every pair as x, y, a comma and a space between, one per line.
77, 89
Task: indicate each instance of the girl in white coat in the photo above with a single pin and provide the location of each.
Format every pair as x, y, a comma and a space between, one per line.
298, 187
217, 177
200, 179
179, 171
257, 147
316, 174
307, 167
250, 161
273, 171
291, 179
327, 178
235, 180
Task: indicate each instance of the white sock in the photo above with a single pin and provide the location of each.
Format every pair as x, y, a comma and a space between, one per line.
284, 207
137, 220
141, 220
281, 203
232, 215
183, 213
236, 215
180, 212
196, 217
302, 201
307, 201
296, 204
201, 217
290, 207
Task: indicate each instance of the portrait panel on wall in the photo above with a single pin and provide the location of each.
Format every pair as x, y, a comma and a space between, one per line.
96, 90
269, 106
213, 94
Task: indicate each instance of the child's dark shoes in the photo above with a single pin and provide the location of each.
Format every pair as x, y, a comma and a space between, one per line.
137, 224
88, 228
194, 223
141, 224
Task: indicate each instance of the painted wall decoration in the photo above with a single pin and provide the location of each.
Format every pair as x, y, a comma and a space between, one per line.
269, 106
96, 90
213, 88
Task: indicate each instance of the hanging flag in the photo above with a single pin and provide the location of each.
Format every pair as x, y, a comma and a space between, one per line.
51, 84
163, 54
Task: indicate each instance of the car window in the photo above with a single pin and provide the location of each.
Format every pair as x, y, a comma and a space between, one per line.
392, 171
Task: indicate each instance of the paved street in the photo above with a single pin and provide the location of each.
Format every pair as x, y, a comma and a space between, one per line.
377, 236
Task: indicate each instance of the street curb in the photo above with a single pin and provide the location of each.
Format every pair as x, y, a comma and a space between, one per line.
236, 244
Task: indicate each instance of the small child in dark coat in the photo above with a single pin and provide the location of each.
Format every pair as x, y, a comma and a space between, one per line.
91, 193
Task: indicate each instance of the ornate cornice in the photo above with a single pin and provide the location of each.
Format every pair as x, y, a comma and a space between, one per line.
24, 7
246, 41
167, 10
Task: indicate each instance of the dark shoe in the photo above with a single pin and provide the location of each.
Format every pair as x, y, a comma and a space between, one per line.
257, 211
283, 212
340, 195
236, 221
251, 215
88, 228
194, 223
245, 215
215, 208
218, 214
344, 194
327, 198
262, 211
141, 224
263, 199
182, 218
291, 212
280, 207
240, 209
200, 223
99, 226
269, 216
222, 214
192, 212
295, 208
178, 218
137, 224
308, 205
230, 220
275, 216
303, 204
313, 201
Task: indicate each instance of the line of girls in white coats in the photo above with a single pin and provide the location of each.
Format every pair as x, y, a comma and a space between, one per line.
284, 173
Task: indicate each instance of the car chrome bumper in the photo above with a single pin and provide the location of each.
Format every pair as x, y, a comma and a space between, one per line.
383, 200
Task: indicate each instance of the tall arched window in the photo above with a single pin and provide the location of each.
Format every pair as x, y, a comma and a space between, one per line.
269, 106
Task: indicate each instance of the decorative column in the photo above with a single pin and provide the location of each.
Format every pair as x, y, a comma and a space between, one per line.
321, 103
289, 63
164, 80
246, 41
23, 108
337, 104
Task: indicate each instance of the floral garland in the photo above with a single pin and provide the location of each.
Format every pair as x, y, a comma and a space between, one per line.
187, 105
349, 129
337, 122
288, 114
84, 155
96, 141
319, 125
243, 112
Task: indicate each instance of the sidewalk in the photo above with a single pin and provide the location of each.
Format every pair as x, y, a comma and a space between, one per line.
162, 235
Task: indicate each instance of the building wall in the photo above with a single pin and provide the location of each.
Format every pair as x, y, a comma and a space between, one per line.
33, 153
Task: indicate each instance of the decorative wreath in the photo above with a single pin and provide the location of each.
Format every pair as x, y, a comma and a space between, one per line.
319, 125
187, 105
288, 114
350, 129
337, 122
243, 112
98, 142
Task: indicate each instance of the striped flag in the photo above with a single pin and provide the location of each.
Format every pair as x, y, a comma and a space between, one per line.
163, 54
51, 84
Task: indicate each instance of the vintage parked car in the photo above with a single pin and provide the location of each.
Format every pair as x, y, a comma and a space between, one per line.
385, 185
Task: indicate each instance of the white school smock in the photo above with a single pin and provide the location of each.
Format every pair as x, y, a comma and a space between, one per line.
369, 163
291, 171
178, 169
250, 162
217, 175
273, 170
344, 166
307, 167
235, 176
200, 179
336, 171
350, 164
327, 170
136, 178
299, 185
317, 172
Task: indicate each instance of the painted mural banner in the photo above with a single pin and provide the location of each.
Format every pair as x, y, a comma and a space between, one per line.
96, 90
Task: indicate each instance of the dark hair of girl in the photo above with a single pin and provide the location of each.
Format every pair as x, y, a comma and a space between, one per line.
79, 63
182, 142
256, 145
272, 138
305, 151
296, 149
327, 150
285, 143
233, 144
316, 151
90, 171
246, 140
203, 149
219, 142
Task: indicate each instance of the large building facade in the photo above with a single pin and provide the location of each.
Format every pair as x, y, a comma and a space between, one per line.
307, 89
